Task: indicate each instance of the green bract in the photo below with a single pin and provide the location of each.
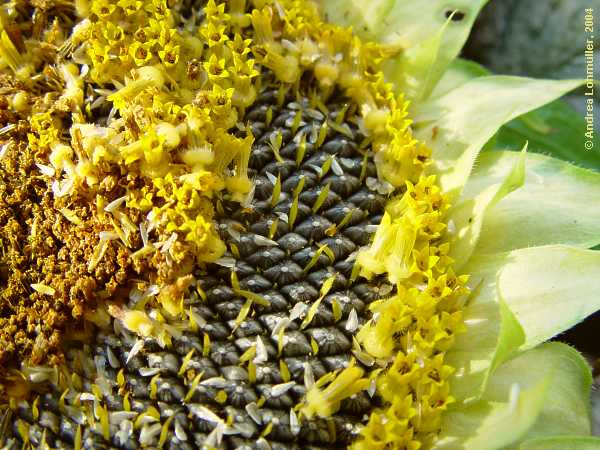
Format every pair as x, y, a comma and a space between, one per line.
520, 226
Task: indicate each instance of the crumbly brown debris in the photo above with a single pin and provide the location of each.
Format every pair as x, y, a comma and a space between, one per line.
38, 245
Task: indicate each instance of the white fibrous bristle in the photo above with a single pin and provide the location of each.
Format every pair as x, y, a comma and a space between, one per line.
249, 197
87, 397
149, 433
135, 350
4, 149
112, 358
203, 413
43, 289
198, 319
216, 382
253, 412
336, 168
272, 178
7, 128
226, 261
153, 289
352, 322
283, 217
169, 243
216, 436
144, 234
116, 417
299, 136
60, 189
263, 241
364, 358
115, 204
261, 352
149, 371
282, 388
282, 324
235, 234
46, 170
309, 378
180, 432
125, 431
298, 310
294, 423
99, 252
108, 236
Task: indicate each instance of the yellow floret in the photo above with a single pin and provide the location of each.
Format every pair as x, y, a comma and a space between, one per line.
323, 402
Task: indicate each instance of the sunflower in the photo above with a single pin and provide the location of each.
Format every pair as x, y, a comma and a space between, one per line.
268, 224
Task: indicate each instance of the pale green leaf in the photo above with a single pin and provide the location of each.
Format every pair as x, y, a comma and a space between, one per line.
492, 332
545, 299
550, 288
511, 336
542, 392
464, 224
459, 72
566, 406
491, 425
433, 36
457, 125
473, 352
467, 217
556, 205
492, 335
562, 443
417, 70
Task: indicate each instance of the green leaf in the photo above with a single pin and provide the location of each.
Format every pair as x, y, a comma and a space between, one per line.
490, 425
416, 71
545, 300
550, 288
457, 125
562, 443
413, 31
566, 406
473, 351
459, 72
555, 129
541, 392
554, 206
490, 326
492, 335
511, 337
467, 217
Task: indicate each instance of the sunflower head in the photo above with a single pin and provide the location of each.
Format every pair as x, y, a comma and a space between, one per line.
267, 224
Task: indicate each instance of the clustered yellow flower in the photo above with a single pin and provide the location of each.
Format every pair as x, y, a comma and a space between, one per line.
129, 34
